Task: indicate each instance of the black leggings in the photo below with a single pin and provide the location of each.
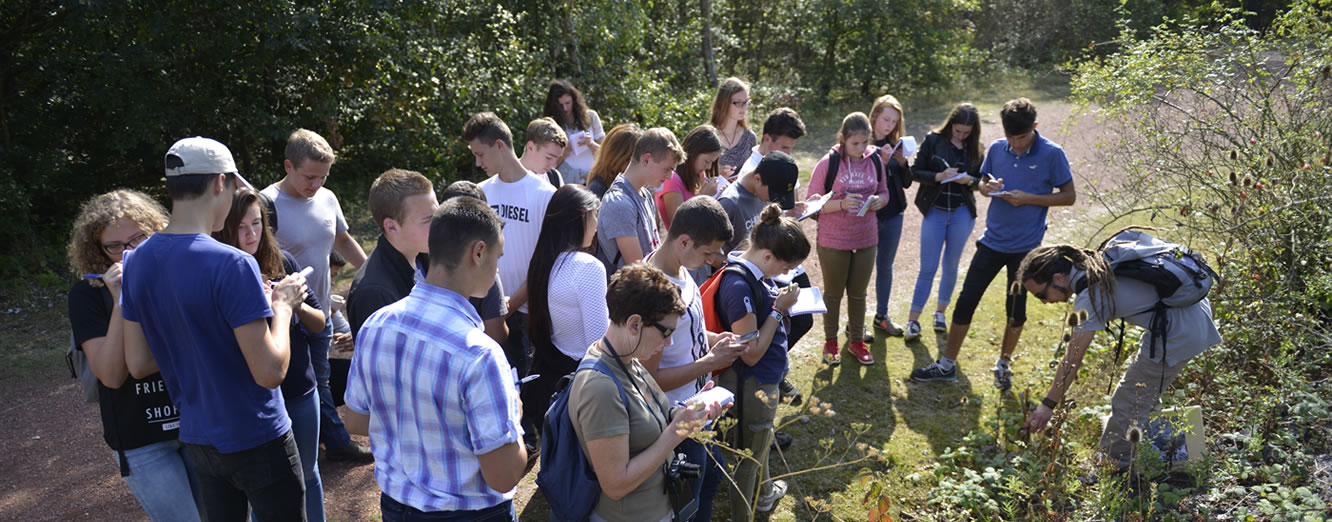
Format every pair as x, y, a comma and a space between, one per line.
985, 265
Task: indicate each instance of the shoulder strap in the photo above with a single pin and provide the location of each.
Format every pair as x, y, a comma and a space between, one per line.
755, 287
878, 166
834, 162
554, 176
599, 366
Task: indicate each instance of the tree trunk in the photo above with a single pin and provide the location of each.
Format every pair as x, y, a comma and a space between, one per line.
573, 39
705, 6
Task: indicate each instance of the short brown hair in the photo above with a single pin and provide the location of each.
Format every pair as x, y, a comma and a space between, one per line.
1018, 117
390, 189
306, 145
644, 290
86, 255
488, 128
544, 130
658, 141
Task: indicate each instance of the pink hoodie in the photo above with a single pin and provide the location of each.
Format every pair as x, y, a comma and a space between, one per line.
844, 230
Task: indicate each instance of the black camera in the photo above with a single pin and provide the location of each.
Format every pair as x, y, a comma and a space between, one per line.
678, 474
681, 468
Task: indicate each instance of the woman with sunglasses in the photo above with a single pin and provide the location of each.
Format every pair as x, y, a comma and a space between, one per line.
139, 421
728, 116
630, 443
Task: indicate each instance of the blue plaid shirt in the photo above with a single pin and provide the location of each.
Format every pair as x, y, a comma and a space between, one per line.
439, 393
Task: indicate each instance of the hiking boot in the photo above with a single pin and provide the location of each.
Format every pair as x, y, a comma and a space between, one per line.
887, 325
934, 372
912, 331
940, 322
862, 354
782, 440
769, 501
789, 390
351, 453
1003, 376
832, 351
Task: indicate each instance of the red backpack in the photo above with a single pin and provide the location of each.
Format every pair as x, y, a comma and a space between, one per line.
711, 300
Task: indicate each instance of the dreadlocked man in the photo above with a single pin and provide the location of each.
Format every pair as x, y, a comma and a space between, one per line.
1057, 273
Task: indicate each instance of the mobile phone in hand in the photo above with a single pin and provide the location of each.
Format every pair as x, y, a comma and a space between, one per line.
747, 337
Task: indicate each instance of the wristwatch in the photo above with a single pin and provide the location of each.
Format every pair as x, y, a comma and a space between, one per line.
1049, 403
775, 314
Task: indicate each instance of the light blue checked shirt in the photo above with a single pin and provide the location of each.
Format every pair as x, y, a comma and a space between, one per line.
439, 393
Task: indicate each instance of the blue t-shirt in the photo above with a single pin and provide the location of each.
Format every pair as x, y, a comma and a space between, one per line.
1014, 230
736, 300
187, 292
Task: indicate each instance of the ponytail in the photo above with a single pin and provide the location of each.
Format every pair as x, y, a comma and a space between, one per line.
779, 234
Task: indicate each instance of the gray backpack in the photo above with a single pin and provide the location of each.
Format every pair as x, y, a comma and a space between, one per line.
79, 369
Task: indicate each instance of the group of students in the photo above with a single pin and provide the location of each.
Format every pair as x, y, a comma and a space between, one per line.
209, 329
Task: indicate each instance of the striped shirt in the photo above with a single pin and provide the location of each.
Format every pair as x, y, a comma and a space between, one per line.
439, 393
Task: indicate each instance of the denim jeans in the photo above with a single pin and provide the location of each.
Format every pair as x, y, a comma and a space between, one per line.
331, 431
267, 477
946, 230
890, 234
304, 413
394, 511
710, 478
162, 480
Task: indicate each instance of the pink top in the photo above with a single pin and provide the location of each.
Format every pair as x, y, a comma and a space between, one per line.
844, 230
673, 184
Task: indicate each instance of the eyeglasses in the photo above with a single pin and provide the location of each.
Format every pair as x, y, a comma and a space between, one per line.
114, 249
666, 331
741, 103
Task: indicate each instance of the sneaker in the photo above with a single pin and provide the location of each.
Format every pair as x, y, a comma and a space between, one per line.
940, 322
832, 351
887, 325
769, 501
789, 390
934, 372
1003, 377
862, 354
912, 331
351, 453
782, 440
868, 336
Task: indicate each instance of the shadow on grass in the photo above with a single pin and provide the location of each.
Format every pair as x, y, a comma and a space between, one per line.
941, 411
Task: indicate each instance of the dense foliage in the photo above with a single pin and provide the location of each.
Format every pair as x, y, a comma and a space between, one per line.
1226, 130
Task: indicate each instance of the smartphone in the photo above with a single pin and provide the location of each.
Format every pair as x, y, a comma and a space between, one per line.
747, 337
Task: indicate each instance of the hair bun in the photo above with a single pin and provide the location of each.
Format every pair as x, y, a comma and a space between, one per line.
771, 215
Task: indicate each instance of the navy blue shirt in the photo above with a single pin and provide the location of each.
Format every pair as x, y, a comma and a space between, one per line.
1014, 230
737, 300
300, 371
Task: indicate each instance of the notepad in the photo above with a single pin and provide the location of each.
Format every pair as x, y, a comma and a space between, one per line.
814, 206
574, 141
785, 279
810, 301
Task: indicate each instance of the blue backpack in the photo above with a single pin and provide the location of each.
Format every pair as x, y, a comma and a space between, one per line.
566, 477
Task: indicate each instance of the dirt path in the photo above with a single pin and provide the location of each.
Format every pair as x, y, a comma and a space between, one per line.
56, 467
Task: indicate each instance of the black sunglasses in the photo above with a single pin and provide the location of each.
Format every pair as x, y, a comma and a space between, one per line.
666, 331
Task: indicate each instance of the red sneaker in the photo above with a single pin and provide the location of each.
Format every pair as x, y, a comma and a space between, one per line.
832, 351
862, 354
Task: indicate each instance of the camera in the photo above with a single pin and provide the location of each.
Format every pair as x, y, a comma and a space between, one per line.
681, 468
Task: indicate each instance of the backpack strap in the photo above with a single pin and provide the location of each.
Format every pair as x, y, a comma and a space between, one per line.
554, 176
755, 288
834, 162
600, 366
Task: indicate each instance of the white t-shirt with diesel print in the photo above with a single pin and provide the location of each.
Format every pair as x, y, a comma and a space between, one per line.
522, 206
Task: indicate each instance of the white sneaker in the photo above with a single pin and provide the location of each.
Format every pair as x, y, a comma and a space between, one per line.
940, 322
767, 502
912, 331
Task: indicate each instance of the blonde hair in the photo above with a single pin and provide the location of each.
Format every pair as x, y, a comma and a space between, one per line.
305, 145
616, 151
86, 255
721, 105
854, 123
544, 130
888, 101
658, 141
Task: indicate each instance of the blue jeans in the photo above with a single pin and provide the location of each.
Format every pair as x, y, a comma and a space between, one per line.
705, 486
947, 230
162, 480
304, 413
394, 511
331, 431
890, 234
